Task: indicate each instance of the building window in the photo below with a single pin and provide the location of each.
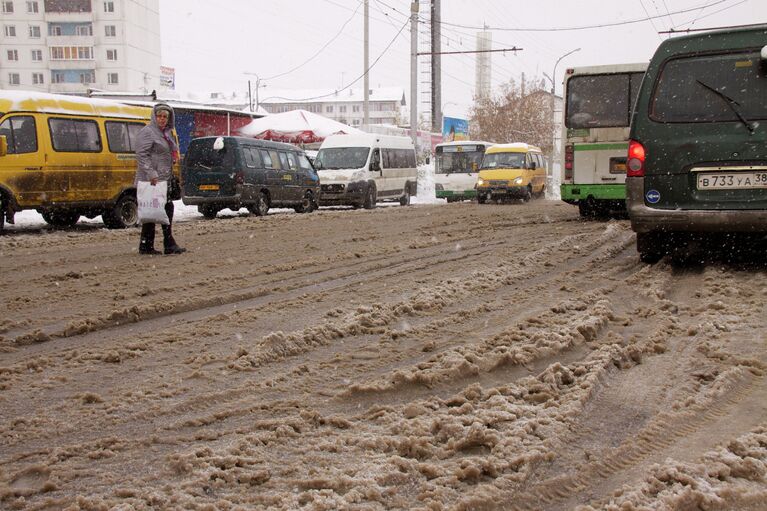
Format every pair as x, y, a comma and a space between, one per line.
13, 79
355, 108
37, 55
329, 109
32, 7
7, 7
13, 54
71, 53
87, 77
112, 79
10, 31
34, 32
109, 7
57, 77
54, 30
84, 30
110, 30
342, 108
111, 54
37, 78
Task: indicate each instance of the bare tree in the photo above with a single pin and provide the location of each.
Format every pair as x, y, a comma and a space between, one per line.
520, 113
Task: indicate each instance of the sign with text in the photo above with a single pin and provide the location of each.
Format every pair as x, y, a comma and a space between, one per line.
454, 129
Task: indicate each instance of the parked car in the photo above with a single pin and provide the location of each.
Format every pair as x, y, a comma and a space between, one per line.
359, 170
511, 171
697, 157
235, 172
67, 157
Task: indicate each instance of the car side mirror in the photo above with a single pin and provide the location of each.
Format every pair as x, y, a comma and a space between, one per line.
3, 146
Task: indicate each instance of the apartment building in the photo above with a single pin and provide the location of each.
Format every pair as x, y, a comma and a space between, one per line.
384, 104
70, 46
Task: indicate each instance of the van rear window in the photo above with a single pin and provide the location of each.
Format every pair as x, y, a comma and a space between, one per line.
711, 88
201, 153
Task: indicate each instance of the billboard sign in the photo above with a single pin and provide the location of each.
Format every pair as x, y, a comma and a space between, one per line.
168, 77
454, 129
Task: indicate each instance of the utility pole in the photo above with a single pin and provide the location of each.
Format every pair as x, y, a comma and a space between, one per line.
414, 72
366, 103
436, 68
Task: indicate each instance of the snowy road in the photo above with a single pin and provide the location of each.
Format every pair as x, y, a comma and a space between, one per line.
430, 357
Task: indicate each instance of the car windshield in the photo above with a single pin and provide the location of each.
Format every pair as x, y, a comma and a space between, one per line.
503, 160
341, 158
711, 88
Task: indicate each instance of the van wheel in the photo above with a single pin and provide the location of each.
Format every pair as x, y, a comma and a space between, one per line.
208, 211
123, 214
370, 198
2, 212
307, 203
651, 247
60, 218
261, 206
528, 194
481, 199
586, 209
404, 200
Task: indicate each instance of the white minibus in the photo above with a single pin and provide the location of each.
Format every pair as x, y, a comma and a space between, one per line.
360, 170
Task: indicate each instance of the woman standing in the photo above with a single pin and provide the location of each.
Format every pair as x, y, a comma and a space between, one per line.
156, 152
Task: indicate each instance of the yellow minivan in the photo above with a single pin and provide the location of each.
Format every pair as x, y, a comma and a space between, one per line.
511, 171
68, 156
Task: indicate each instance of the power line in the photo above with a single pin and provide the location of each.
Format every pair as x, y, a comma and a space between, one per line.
356, 79
586, 27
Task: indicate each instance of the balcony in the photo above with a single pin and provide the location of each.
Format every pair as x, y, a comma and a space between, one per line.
71, 40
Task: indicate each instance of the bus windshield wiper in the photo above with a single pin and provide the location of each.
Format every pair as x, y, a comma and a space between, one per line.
732, 104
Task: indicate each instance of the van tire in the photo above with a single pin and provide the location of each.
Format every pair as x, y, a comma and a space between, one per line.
208, 211
650, 246
60, 218
307, 203
481, 199
370, 197
261, 206
404, 200
528, 194
123, 214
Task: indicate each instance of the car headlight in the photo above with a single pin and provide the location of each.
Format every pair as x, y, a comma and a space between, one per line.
480, 182
517, 181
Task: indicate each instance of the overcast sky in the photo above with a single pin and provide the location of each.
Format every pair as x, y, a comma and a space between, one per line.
319, 43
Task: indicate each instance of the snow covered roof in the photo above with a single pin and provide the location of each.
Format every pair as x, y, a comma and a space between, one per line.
295, 126
332, 95
32, 101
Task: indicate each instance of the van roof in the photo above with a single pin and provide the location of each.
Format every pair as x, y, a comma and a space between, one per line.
516, 147
464, 142
367, 140
251, 142
29, 101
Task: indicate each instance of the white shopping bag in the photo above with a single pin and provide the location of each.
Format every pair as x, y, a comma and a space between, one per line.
151, 202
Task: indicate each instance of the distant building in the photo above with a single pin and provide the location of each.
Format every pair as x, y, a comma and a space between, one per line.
484, 64
69, 46
346, 106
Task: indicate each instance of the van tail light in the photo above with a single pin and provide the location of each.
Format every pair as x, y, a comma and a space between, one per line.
569, 157
239, 178
636, 158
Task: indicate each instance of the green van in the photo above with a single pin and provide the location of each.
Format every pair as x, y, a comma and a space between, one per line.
697, 157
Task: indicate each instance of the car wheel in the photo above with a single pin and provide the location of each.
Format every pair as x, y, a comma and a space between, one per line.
123, 214
208, 211
61, 218
370, 198
481, 199
307, 203
261, 206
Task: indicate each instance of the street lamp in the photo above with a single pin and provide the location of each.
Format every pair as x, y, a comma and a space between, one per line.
552, 181
258, 86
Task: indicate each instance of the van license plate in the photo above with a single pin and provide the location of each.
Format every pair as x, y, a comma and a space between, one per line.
732, 181
208, 188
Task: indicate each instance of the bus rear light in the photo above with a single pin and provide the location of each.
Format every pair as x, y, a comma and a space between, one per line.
636, 159
569, 157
